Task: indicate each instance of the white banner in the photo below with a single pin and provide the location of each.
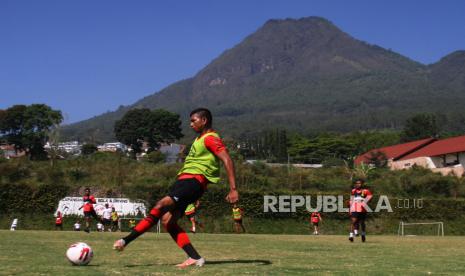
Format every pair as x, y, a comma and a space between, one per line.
124, 206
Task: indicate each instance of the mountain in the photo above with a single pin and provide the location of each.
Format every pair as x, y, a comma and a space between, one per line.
304, 75
449, 72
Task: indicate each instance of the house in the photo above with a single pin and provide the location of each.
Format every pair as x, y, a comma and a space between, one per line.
445, 156
72, 147
172, 152
113, 147
9, 151
393, 153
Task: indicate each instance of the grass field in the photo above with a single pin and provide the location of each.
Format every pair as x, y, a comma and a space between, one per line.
42, 252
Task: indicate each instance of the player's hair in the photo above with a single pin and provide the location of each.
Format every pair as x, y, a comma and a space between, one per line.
204, 113
87, 189
359, 179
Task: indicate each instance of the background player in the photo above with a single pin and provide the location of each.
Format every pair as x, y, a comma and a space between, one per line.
359, 199
315, 219
114, 220
191, 214
237, 214
59, 221
89, 211
106, 214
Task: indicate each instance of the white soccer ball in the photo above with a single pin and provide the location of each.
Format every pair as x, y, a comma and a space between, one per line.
79, 253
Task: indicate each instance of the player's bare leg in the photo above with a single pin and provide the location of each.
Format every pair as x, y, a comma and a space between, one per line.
363, 226
87, 225
193, 224
353, 222
242, 227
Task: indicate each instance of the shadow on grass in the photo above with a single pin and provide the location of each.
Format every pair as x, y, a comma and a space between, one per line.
259, 262
139, 265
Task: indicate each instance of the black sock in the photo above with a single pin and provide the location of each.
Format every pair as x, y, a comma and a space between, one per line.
191, 252
132, 236
143, 226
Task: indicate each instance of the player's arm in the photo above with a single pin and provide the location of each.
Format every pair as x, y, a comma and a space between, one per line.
369, 195
216, 146
233, 195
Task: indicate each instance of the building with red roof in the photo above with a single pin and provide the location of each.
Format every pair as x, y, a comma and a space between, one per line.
392, 153
446, 156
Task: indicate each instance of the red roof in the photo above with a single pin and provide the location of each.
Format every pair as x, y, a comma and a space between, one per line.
440, 147
396, 151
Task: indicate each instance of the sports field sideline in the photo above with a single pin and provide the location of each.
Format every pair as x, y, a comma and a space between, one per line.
43, 252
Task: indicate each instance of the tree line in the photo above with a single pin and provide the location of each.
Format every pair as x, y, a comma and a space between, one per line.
29, 127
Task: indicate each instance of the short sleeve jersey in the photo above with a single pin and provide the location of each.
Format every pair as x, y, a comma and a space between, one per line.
89, 202
359, 199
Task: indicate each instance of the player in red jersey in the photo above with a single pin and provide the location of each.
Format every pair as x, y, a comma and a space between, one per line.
359, 199
59, 221
89, 201
200, 168
315, 219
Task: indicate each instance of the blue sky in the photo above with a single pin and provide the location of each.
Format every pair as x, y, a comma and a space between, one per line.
86, 57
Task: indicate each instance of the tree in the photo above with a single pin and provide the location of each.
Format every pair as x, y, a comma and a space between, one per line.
420, 126
12, 126
153, 127
27, 127
165, 127
378, 159
320, 148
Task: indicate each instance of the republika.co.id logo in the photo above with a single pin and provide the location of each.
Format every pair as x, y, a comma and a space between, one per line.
323, 203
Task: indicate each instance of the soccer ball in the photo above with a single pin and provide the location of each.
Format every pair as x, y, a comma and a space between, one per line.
79, 254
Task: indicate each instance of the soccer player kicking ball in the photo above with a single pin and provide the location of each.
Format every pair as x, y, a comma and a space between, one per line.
200, 168
358, 213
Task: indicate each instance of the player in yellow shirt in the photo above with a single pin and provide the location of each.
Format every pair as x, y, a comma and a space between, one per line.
191, 214
237, 214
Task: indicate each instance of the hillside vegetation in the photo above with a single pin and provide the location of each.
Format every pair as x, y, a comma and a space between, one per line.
306, 75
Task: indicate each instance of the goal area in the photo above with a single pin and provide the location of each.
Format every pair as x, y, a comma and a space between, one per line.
421, 228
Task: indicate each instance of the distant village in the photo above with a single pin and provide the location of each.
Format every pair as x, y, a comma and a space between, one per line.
171, 152
444, 156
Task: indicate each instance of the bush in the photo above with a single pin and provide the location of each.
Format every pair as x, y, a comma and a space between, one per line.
77, 174
14, 170
156, 157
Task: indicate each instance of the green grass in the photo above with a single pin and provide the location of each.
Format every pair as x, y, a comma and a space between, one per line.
42, 252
